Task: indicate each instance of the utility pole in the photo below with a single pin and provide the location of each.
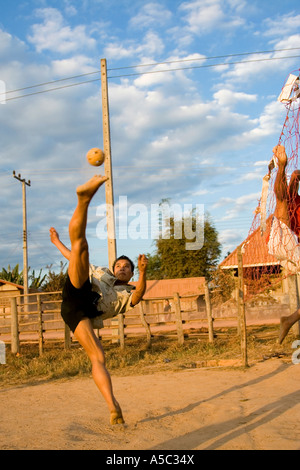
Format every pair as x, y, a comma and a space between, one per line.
25, 249
109, 193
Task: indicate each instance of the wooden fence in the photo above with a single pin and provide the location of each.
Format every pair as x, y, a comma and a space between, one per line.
36, 318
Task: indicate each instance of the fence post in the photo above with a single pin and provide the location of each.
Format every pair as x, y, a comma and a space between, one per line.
2, 353
241, 307
209, 313
40, 319
178, 316
121, 330
114, 330
145, 323
15, 342
67, 337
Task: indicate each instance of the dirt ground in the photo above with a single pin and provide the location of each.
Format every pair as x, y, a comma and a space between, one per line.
204, 408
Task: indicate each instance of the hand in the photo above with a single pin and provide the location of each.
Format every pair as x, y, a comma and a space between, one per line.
279, 153
53, 235
142, 263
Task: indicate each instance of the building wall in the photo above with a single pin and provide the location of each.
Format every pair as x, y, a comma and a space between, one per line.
6, 292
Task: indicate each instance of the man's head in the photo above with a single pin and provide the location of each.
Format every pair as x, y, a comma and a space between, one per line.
123, 268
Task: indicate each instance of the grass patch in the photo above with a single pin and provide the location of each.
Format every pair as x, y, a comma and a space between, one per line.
164, 355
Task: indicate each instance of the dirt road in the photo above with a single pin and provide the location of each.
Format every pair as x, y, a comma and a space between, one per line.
187, 410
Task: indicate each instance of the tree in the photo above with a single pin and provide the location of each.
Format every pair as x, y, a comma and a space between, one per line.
172, 258
223, 284
37, 281
153, 267
55, 282
16, 276
12, 275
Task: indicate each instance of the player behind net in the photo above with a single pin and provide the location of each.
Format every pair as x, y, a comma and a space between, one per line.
285, 230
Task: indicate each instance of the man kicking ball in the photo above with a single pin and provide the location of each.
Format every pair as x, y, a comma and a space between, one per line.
83, 299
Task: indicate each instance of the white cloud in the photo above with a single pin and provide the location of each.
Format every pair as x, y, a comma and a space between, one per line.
203, 16
77, 64
292, 41
223, 201
258, 66
229, 238
11, 48
267, 124
229, 98
152, 45
251, 176
262, 163
241, 205
165, 73
172, 133
283, 25
54, 35
151, 15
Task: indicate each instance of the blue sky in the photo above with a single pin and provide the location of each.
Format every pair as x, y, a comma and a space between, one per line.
195, 135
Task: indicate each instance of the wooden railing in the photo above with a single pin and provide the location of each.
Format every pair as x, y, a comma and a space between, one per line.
37, 318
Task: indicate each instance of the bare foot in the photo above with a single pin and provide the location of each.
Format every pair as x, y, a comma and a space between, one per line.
285, 326
88, 189
116, 417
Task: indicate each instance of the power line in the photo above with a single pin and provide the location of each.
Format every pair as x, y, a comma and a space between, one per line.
205, 66
50, 89
149, 65
148, 72
204, 58
50, 82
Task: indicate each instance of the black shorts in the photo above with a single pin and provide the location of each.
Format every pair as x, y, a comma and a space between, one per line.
78, 303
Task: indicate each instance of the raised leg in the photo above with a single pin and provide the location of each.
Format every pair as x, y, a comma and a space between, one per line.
79, 257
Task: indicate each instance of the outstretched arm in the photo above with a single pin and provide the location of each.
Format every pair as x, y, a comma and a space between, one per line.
141, 284
54, 237
294, 184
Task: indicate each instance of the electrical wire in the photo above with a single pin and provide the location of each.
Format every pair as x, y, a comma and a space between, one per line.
148, 72
202, 66
150, 65
203, 58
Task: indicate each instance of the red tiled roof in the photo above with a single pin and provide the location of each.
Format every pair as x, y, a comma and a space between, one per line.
2, 281
255, 251
168, 287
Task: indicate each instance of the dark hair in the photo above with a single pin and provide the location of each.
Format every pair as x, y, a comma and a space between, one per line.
124, 257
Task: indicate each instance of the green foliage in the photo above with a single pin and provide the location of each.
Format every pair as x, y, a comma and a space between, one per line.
153, 267
36, 282
16, 276
222, 285
50, 282
172, 258
12, 275
55, 281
